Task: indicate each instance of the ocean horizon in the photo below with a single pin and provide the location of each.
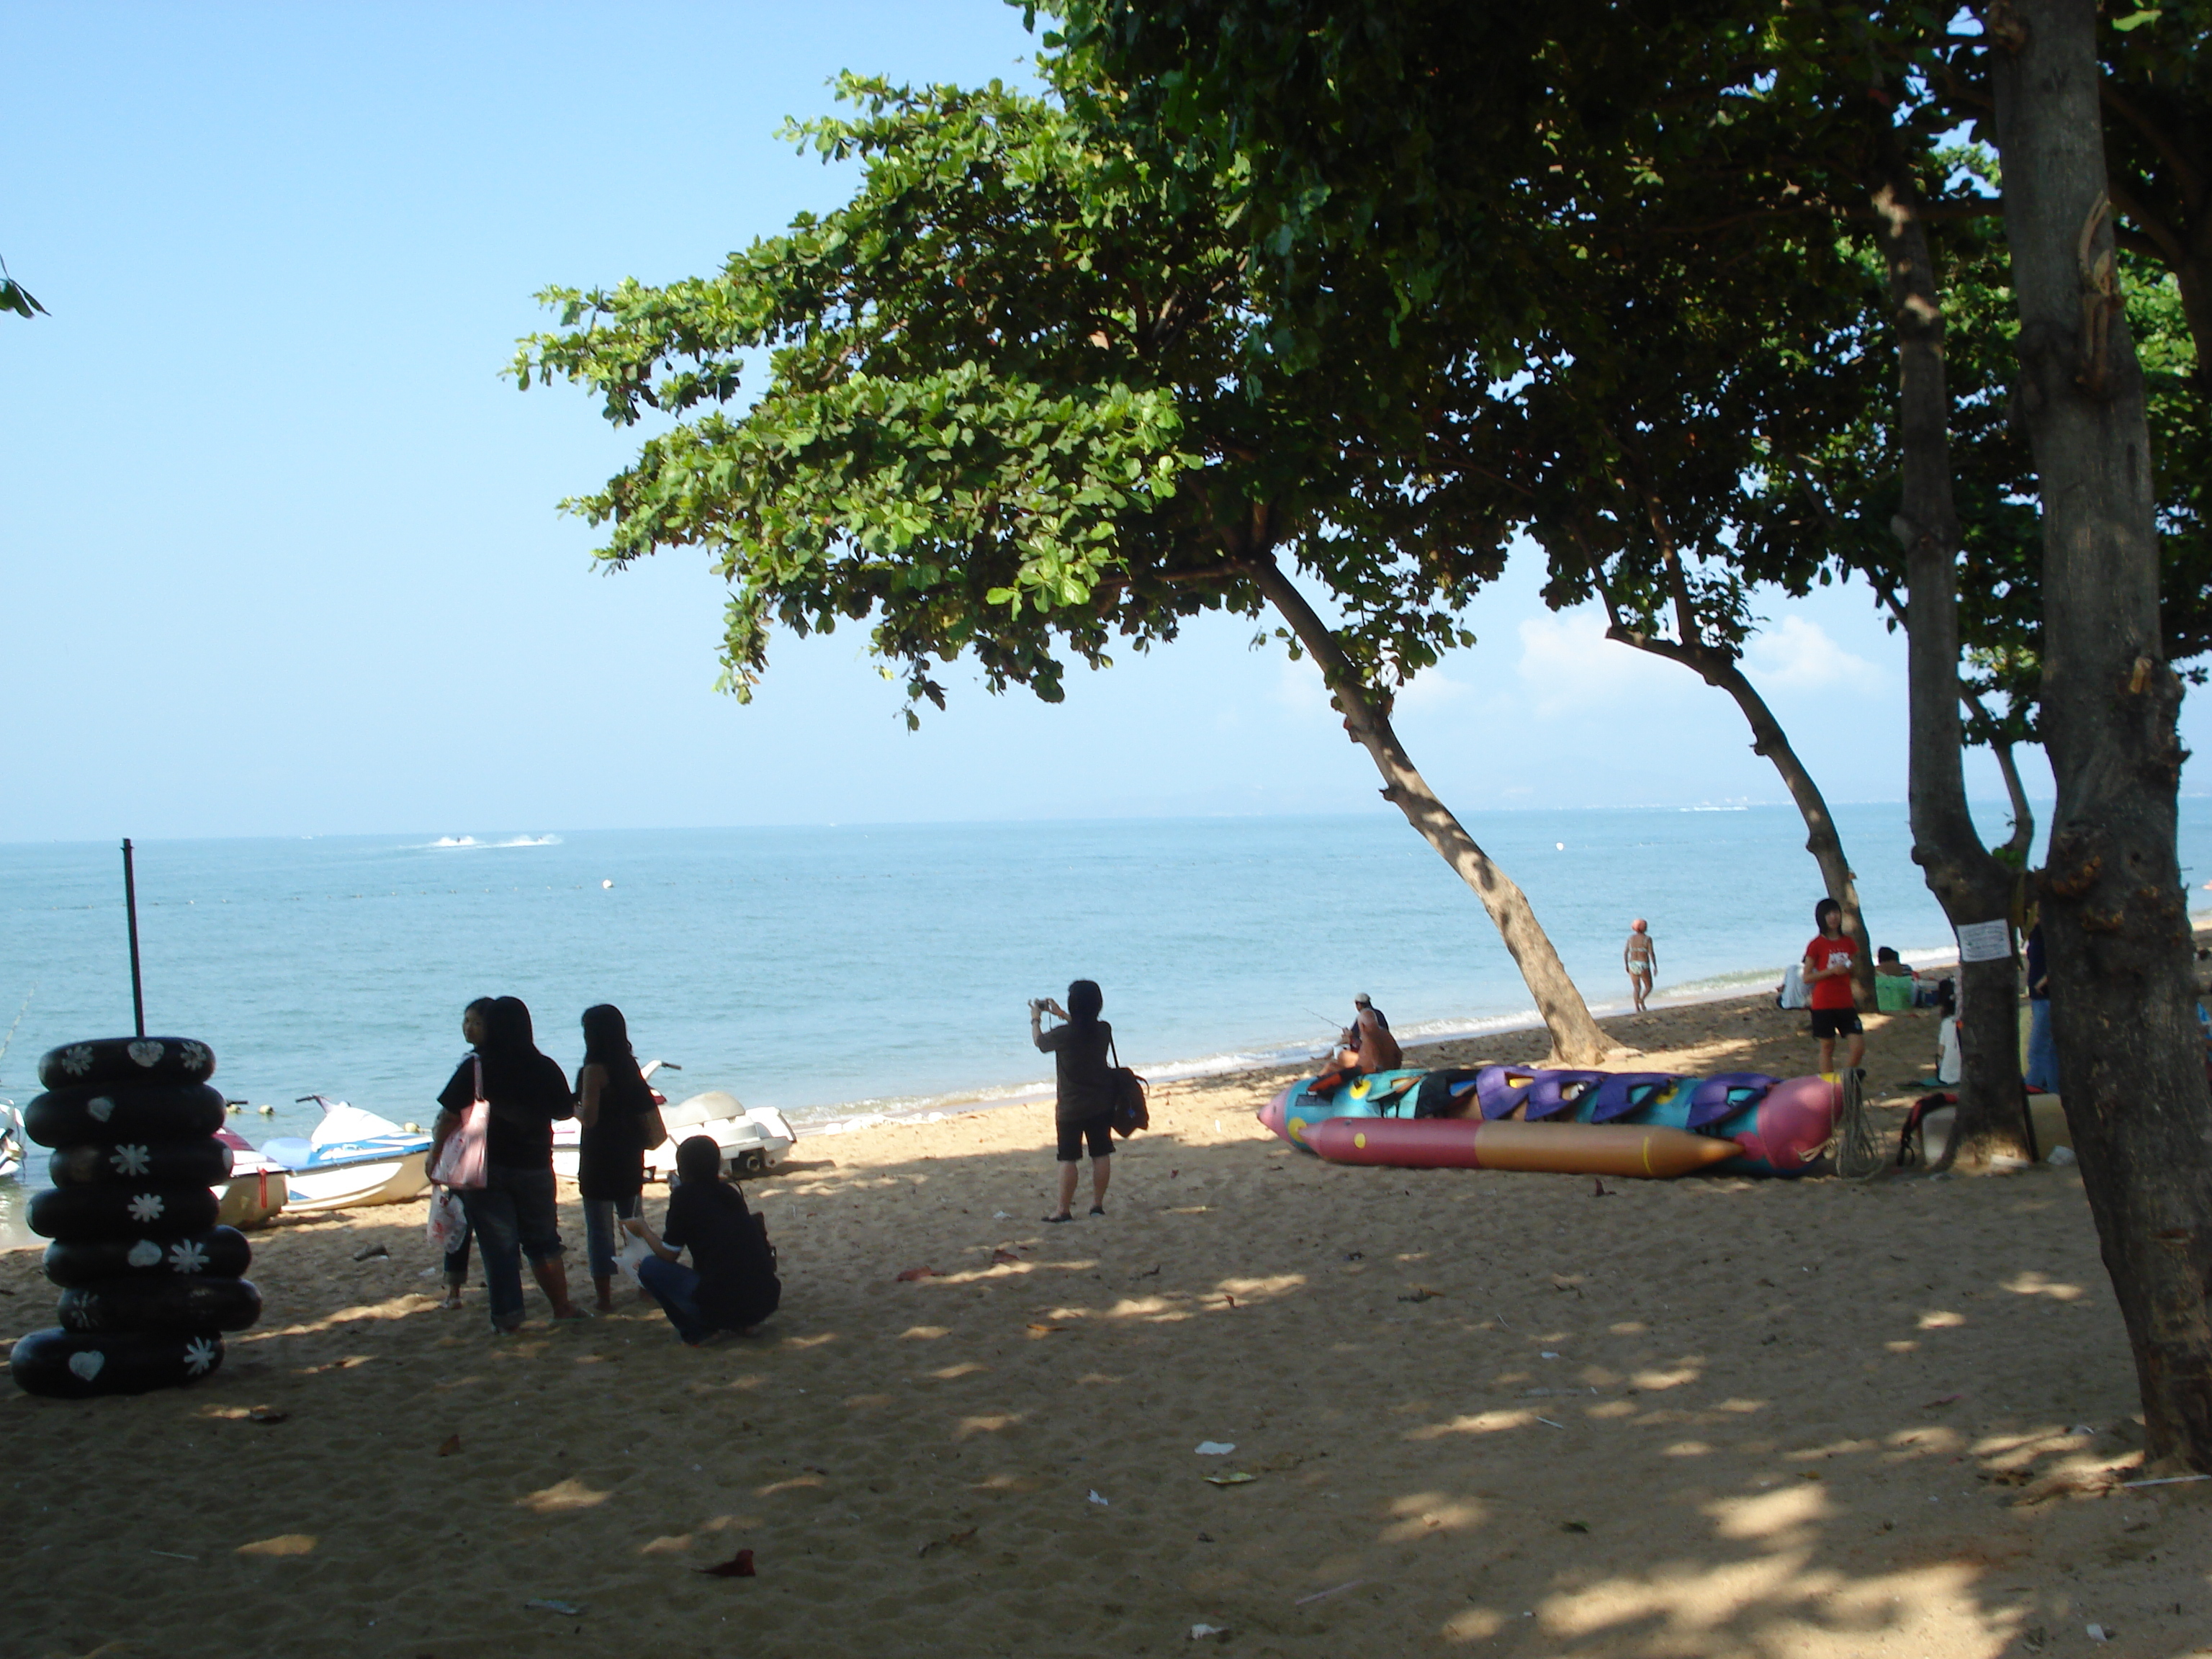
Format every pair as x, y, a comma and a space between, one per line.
845, 973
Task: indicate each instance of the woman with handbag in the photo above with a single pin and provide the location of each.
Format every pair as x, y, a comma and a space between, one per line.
500, 1109
622, 1122
449, 1221
1083, 1109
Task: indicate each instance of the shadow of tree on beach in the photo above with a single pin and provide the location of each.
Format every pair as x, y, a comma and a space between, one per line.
1483, 1412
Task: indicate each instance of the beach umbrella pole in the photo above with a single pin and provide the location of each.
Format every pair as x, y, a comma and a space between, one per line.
131, 910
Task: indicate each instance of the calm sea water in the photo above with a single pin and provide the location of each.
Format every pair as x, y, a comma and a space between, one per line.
838, 972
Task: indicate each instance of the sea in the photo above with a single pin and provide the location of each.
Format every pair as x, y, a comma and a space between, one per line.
849, 973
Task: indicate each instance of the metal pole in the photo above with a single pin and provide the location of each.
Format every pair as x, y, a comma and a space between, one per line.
131, 906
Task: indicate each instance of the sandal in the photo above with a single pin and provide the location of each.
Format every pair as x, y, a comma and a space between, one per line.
1098, 1209
1054, 1220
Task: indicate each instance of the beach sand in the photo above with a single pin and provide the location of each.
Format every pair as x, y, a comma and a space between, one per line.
1487, 1413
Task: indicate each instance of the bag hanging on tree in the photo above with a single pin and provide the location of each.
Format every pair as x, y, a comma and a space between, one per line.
461, 1160
1132, 1111
449, 1219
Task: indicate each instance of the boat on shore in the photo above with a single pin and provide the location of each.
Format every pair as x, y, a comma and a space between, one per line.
753, 1139
351, 1158
258, 1189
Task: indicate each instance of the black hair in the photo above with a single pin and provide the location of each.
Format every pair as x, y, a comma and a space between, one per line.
1887, 953
1084, 1000
509, 1045
1820, 913
606, 1036
481, 1008
698, 1161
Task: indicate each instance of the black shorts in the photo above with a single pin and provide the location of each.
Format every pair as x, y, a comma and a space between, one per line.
1836, 1022
1099, 1132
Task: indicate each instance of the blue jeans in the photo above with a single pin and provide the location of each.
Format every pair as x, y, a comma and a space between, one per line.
512, 1215
601, 1241
676, 1288
2042, 1071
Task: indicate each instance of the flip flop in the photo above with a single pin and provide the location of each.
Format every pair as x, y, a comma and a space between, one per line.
1054, 1220
1098, 1209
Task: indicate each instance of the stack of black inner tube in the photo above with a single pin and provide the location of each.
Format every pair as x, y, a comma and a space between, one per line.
149, 1282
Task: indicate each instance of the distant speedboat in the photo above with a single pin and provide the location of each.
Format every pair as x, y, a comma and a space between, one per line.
351, 1158
753, 1139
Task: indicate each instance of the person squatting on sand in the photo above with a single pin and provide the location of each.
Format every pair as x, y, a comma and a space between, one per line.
1828, 983
1083, 1109
512, 1214
473, 1019
1640, 957
730, 1285
620, 1122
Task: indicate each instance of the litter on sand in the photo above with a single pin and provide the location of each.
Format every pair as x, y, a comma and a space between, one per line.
1215, 1448
547, 1604
2166, 1480
1238, 1479
739, 1565
1338, 1589
1097, 1499
369, 1253
998, 1256
1548, 1424
1209, 1632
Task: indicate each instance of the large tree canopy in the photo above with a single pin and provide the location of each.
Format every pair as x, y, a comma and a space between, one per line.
1021, 402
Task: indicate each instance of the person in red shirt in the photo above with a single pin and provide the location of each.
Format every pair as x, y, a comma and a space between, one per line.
1828, 987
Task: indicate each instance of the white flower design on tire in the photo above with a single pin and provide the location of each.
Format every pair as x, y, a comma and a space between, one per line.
187, 1256
199, 1355
130, 1160
76, 1061
147, 1206
194, 1055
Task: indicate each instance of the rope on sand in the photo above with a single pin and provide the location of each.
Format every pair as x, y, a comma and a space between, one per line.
1860, 1153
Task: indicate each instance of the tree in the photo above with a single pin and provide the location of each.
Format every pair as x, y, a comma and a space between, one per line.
2115, 915
1020, 401
15, 297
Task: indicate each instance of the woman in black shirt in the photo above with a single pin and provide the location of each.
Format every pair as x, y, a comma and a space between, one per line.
512, 1214
1083, 1109
621, 1122
730, 1285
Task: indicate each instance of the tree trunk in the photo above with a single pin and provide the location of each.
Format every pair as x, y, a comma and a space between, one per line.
1576, 1039
2114, 917
1972, 883
1768, 738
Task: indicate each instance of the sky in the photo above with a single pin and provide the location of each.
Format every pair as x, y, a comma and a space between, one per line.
279, 545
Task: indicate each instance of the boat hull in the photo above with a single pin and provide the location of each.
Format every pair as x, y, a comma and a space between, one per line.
1448, 1143
353, 1186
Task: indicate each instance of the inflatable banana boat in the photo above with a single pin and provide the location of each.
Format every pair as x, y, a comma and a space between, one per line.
1652, 1124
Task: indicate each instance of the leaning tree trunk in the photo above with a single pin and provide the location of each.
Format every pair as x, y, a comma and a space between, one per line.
1718, 669
2114, 915
1576, 1039
1973, 885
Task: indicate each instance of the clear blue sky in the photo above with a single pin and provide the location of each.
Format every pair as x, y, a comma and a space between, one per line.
278, 550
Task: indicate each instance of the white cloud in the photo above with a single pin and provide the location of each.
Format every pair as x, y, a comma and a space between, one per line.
1797, 655
1571, 666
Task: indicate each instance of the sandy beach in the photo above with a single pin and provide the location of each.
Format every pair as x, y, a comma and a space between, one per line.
1484, 1412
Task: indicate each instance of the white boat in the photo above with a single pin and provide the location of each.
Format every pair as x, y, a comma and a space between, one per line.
258, 1186
351, 1158
11, 1138
754, 1139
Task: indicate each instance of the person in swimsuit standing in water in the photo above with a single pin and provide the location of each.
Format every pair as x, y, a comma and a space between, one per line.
1640, 957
